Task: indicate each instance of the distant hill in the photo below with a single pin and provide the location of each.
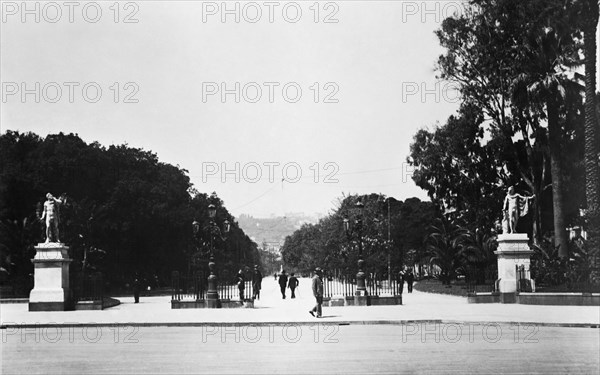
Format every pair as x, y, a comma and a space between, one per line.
270, 233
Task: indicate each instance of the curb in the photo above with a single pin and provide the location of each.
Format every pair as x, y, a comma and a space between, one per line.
303, 323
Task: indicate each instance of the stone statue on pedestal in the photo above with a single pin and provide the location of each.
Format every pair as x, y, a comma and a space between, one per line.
515, 206
52, 215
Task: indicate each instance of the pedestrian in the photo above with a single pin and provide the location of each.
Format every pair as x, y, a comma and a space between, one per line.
240, 280
283, 279
256, 283
293, 284
410, 278
136, 290
317, 288
400, 282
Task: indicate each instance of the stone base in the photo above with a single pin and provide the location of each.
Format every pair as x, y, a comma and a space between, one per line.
385, 300
51, 278
564, 299
508, 298
362, 300
48, 306
88, 305
208, 304
492, 297
513, 251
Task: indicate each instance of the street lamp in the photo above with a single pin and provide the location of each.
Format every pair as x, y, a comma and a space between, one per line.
212, 296
356, 231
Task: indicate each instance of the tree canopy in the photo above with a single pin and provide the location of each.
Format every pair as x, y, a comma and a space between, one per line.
132, 211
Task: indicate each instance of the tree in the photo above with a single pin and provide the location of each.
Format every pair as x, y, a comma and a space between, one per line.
488, 48
325, 245
460, 171
122, 200
550, 53
443, 245
589, 15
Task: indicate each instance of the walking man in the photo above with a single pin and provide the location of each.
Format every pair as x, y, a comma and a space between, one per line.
256, 283
293, 284
410, 278
240, 280
283, 279
317, 287
400, 282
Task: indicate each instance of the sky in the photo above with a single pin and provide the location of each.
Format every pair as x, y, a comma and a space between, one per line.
279, 107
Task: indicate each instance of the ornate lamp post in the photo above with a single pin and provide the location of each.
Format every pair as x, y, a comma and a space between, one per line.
355, 230
212, 296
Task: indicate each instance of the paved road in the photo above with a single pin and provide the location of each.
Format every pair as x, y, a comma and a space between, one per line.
302, 349
304, 345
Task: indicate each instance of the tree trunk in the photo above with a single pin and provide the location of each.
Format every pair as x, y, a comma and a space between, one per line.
536, 215
592, 175
556, 170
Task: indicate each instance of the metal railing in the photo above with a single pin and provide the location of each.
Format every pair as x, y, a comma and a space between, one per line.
376, 284
342, 286
523, 277
191, 287
88, 287
231, 291
380, 285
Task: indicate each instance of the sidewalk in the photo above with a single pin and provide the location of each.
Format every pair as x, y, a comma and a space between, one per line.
272, 309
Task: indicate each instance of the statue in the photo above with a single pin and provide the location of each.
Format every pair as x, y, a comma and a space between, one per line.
52, 215
515, 206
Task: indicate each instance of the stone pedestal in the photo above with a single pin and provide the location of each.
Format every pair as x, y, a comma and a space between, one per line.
361, 298
51, 278
513, 250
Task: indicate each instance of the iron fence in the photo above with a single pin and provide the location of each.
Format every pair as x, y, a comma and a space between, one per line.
380, 285
523, 277
376, 284
231, 291
341, 286
190, 287
88, 287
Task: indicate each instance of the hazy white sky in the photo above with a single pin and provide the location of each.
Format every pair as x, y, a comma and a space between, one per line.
356, 90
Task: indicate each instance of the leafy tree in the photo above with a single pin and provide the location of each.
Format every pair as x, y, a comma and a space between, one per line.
126, 212
325, 244
492, 51
460, 170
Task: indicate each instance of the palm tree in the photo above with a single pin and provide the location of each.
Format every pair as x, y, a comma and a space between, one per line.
443, 246
589, 12
477, 249
550, 53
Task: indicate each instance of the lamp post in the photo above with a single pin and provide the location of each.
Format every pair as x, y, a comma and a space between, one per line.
212, 296
389, 238
355, 230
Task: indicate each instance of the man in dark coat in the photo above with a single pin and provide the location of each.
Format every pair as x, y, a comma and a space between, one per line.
400, 282
317, 288
256, 283
283, 279
240, 281
136, 290
410, 278
293, 284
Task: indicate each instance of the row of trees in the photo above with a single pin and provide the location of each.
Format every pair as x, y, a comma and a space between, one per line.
125, 213
528, 118
326, 245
